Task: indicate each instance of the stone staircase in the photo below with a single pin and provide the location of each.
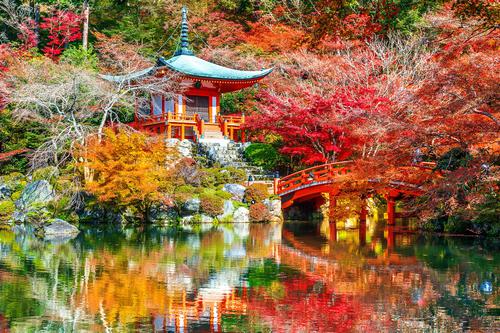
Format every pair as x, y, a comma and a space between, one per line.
212, 131
230, 154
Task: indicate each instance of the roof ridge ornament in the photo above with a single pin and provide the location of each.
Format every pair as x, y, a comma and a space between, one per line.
184, 49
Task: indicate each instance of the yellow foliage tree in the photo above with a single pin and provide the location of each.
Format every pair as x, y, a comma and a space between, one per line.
129, 170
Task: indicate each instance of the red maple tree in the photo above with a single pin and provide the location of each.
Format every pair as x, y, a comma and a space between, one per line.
63, 27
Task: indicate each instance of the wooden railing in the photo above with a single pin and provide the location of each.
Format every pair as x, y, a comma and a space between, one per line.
172, 117
229, 124
328, 173
166, 117
233, 120
319, 174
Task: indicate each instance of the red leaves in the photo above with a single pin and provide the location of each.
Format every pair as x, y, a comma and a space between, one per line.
63, 27
319, 129
27, 35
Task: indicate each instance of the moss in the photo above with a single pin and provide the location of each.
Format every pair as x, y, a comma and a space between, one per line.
223, 194
16, 195
7, 208
214, 177
185, 189
49, 174
15, 180
196, 219
227, 219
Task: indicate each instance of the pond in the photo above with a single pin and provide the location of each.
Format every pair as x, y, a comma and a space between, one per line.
296, 277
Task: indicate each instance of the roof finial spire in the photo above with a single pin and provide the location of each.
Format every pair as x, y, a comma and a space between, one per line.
184, 49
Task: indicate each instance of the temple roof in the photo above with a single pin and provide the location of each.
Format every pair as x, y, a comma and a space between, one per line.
185, 62
196, 67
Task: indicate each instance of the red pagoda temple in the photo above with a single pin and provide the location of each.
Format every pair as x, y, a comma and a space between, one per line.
195, 114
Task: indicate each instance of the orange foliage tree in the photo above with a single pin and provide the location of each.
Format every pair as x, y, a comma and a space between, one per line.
129, 170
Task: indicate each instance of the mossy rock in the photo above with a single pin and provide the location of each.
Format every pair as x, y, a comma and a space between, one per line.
7, 208
49, 173
16, 195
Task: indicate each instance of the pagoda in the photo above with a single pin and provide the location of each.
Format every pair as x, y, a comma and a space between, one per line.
195, 113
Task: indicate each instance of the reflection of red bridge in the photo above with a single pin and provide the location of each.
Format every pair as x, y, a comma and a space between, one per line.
310, 184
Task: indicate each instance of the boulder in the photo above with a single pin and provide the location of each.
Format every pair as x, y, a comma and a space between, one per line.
207, 223
206, 219
191, 206
184, 147
5, 191
228, 210
163, 213
59, 228
274, 207
186, 220
241, 214
237, 191
35, 193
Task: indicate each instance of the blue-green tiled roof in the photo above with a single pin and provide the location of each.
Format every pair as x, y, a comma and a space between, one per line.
194, 66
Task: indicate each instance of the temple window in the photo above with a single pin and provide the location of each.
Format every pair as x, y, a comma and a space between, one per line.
157, 104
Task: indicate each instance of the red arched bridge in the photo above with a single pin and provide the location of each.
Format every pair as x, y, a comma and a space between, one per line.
311, 183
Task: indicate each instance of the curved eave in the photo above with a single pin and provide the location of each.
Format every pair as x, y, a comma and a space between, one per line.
197, 68
129, 77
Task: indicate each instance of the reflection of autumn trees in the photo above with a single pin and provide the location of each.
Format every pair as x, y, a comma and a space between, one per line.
303, 305
217, 280
173, 280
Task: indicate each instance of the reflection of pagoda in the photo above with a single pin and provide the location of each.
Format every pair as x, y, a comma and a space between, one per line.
195, 114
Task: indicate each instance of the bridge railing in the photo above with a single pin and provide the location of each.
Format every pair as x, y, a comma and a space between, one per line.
318, 174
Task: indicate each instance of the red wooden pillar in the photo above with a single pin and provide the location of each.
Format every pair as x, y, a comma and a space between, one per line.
362, 233
333, 230
363, 213
331, 209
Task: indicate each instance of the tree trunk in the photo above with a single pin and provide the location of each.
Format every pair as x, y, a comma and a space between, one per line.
86, 12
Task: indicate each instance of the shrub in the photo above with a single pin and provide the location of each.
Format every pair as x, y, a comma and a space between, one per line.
456, 224
79, 57
223, 194
263, 155
7, 208
213, 177
486, 215
259, 213
188, 171
211, 204
256, 193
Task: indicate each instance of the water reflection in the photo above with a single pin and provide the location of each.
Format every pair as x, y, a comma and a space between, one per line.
303, 277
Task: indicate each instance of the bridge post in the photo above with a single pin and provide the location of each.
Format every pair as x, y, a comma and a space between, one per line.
362, 222
362, 234
333, 230
275, 185
391, 241
391, 210
332, 202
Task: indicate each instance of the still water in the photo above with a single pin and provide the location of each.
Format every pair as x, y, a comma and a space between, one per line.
299, 277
